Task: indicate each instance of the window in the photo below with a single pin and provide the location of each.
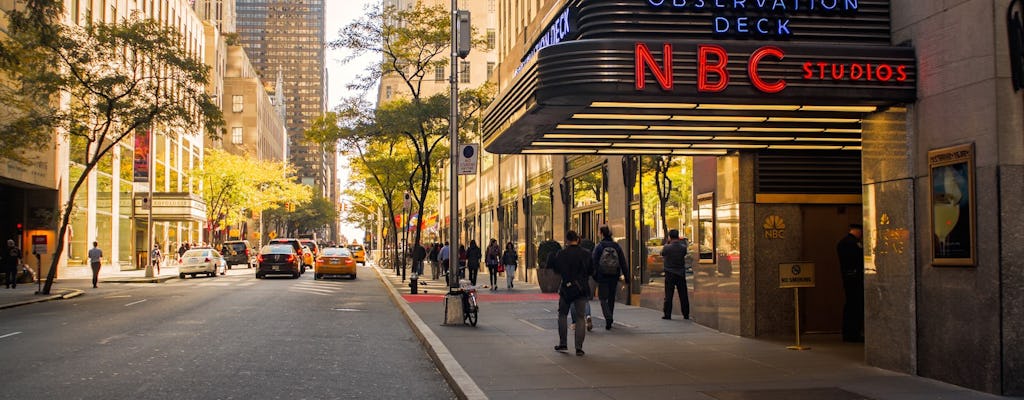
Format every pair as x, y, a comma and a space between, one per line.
387, 92
464, 72
490, 69
236, 135
236, 103
492, 38
439, 73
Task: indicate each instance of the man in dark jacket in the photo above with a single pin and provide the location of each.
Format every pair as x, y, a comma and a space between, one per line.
608, 283
574, 265
851, 267
435, 270
674, 258
419, 254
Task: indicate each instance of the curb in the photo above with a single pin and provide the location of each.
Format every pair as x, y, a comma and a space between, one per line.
464, 386
71, 293
158, 279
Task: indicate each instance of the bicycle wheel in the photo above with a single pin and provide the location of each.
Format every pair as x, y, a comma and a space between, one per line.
471, 317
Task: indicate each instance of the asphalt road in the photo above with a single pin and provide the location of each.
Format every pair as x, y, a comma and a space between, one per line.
229, 337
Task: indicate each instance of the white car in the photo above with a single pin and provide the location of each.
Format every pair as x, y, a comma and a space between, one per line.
201, 261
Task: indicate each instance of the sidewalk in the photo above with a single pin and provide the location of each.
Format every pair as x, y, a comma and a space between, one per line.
75, 281
509, 355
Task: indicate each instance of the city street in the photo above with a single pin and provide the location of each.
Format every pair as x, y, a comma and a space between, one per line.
229, 337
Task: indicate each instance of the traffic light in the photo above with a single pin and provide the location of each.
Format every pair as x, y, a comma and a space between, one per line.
20, 228
464, 30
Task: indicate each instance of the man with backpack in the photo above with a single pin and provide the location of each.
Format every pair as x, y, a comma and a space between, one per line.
609, 263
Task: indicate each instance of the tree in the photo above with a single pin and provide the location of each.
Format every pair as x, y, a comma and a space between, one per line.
99, 84
234, 184
668, 176
411, 43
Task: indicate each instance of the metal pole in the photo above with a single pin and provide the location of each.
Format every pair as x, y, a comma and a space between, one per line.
149, 219
453, 132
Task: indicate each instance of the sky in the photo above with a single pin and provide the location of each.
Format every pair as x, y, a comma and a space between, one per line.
339, 13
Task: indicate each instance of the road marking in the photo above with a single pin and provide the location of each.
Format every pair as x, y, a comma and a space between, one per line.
532, 324
134, 303
347, 309
121, 296
9, 335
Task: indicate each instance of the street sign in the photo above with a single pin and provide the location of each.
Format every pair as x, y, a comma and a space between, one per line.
468, 156
795, 275
272, 235
38, 244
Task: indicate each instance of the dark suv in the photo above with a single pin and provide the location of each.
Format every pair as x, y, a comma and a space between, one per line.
238, 252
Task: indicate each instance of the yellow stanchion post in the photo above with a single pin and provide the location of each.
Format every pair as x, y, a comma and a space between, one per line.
796, 307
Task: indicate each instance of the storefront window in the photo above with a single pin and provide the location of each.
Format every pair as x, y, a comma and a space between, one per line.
541, 216
104, 217
587, 189
78, 232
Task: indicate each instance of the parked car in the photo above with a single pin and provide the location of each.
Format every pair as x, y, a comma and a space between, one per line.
201, 261
358, 253
278, 259
335, 261
305, 255
238, 252
655, 263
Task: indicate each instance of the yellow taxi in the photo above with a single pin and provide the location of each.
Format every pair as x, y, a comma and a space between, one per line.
334, 261
358, 253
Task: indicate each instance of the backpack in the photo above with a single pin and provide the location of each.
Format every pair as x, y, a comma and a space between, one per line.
608, 264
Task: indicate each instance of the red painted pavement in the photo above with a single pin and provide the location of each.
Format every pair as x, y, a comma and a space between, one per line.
485, 297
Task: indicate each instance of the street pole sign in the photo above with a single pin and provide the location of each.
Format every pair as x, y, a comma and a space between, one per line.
468, 156
796, 275
38, 244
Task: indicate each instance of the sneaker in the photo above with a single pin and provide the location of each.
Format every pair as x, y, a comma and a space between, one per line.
572, 326
590, 324
579, 352
667, 317
607, 325
561, 348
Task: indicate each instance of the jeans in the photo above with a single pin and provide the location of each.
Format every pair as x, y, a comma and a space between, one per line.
510, 273
563, 328
417, 267
676, 283
572, 312
606, 297
435, 269
492, 271
95, 273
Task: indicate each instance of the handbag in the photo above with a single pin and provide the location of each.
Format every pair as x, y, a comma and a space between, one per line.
571, 290
501, 267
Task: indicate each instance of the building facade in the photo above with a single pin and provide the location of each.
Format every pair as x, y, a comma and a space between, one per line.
252, 124
287, 36
109, 204
794, 119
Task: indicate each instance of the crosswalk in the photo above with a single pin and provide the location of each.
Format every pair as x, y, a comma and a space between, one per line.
304, 284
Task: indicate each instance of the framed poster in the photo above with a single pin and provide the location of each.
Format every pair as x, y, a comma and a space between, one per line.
951, 203
706, 228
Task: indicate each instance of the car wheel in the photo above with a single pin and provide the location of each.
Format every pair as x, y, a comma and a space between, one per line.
353, 276
181, 276
258, 276
296, 275
317, 277
194, 275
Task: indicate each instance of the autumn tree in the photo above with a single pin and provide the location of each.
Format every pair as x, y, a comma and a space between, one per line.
98, 84
411, 42
235, 185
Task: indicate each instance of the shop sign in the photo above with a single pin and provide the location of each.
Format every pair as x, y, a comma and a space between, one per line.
713, 76
760, 18
561, 29
774, 227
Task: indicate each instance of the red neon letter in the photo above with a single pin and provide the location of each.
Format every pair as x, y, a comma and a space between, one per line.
703, 68
755, 78
644, 57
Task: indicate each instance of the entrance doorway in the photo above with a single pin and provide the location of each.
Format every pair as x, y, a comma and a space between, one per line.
586, 222
823, 226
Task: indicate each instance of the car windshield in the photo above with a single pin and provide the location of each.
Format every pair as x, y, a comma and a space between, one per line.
336, 252
277, 249
197, 253
294, 243
237, 246
356, 248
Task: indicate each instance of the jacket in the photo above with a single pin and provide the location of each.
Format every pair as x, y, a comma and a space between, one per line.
596, 258
473, 257
674, 256
574, 264
493, 254
510, 258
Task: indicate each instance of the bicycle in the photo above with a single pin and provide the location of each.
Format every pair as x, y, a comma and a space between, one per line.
470, 308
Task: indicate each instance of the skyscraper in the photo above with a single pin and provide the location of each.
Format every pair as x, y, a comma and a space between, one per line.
287, 36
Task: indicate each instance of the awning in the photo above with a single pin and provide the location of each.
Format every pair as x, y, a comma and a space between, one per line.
696, 97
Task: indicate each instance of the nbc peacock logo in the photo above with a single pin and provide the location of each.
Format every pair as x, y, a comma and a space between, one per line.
774, 227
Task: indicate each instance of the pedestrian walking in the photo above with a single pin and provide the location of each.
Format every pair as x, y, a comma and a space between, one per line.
510, 259
473, 255
674, 258
492, 259
95, 258
445, 256
851, 267
610, 263
575, 266
463, 259
435, 269
11, 261
419, 254
156, 257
